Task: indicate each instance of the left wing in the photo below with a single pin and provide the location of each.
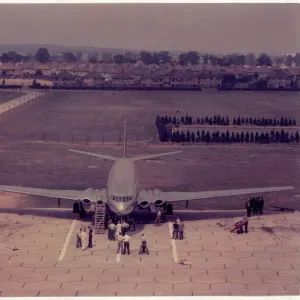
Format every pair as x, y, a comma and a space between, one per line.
181, 196
63, 194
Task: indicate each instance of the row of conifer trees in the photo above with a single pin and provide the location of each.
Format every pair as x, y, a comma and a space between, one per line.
231, 137
225, 121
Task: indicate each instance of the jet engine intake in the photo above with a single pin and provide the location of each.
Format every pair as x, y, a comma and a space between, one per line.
158, 203
144, 204
86, 203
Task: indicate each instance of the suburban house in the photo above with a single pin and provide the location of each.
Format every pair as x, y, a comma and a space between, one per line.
280, 79
93, 79
65, 78
123, 80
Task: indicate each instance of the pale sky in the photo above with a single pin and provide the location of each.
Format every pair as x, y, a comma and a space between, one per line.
220, 28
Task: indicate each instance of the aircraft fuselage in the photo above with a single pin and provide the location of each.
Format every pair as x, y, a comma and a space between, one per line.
122, 187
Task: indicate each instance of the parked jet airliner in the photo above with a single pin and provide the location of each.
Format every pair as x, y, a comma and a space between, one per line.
122, 193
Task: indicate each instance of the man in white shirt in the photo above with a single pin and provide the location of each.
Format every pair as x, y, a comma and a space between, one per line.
158, 218
112, 231
144, 248
119, 228
119, 239
126, 239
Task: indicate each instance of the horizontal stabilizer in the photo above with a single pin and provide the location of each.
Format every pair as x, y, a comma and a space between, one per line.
150, 156
96, 155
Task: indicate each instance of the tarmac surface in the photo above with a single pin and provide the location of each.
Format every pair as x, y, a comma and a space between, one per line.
39, 258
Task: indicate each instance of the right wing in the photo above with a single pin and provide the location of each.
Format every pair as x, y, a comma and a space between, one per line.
150, 156
92, 195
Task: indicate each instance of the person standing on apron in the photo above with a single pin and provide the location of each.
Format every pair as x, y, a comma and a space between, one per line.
90, 237
78, 239
84, 238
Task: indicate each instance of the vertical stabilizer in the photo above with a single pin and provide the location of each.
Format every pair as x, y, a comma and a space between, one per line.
124, 142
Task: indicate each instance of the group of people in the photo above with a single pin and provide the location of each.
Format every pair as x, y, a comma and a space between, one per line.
84, 238
78, 209
255, 206
178, 227
118, 232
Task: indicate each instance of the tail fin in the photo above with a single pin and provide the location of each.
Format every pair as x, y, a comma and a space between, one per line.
124, 141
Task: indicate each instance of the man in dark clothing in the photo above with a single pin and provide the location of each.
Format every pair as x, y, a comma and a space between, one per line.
261, 205
76, 208
90, 237
81, 210
248, 208
175, 231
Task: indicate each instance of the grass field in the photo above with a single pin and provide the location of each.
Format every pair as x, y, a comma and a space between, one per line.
7, 95
26, 161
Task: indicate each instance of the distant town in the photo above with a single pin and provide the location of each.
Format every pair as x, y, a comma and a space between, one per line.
150, 70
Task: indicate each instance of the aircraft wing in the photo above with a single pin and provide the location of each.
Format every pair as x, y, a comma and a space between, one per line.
150, 156
181, 196
90, 194
108, 157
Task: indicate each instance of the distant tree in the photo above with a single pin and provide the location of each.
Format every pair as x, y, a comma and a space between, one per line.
297, 137
190, 120
237, 138
182, 137
173, 138
277, 136
247, 121
198, 121
227, 121
119, 59
281, 121
183, 59
261, 138
250, 59
289, 60
282, 136
232, 138
278, 60
256, 138
193, 137
286, 138
223, 137
252, 137
188, 137
242, 137
182, 120
264, 60
42, 55
78, 56
292, 138
234, 121
93, 58
202, 121
214, 119
243, 121
165, 57
69, 57
174, 120
146, 57
294, 122
162, 133
290, 122
247, 137
286, 122
227, 137
198, 138
250, 121
210, 121
297, 59
203, 136
238, 121
207, 137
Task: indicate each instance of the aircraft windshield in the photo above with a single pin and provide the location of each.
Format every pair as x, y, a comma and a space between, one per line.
122, 199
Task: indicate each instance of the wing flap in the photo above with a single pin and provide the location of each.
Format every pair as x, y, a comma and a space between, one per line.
182, 196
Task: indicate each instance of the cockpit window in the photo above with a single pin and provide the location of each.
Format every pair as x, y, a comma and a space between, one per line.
122, 199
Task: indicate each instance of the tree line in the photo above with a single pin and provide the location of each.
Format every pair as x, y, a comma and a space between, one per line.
228, 137
42, 55
224, 121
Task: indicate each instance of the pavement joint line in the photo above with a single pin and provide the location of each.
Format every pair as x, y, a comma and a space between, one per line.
65, 246
118, 257
174, 250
